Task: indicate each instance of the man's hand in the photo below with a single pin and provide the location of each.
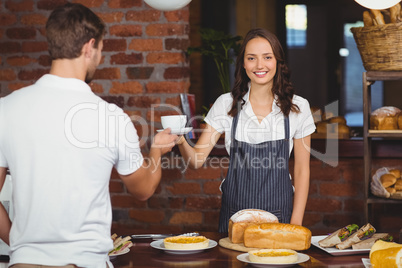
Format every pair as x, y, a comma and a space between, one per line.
164, 141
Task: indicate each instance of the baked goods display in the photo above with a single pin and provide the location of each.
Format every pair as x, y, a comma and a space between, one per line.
387, 182
329, 125
386, 254
120, 244
277, 236
385, 118
273, 256
244, 218
186, 242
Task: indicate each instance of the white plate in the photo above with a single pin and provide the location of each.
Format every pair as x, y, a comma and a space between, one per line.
178, 131
334, 251
300, 258
126, 250
158, 244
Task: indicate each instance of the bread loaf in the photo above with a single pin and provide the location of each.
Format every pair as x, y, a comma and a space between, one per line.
386, 254
277, 236
244, 218
387, 180
389, 258
379, 245
385, 118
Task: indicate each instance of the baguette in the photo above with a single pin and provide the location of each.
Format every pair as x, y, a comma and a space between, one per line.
378, 17
395, 13
367, 19
277, 236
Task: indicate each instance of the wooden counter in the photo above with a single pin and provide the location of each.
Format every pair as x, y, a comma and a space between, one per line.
142, 255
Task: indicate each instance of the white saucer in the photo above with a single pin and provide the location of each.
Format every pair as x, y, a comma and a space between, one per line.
178, 131
300, 258
158, 244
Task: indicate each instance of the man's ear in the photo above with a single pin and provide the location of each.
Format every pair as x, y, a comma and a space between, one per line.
88, 47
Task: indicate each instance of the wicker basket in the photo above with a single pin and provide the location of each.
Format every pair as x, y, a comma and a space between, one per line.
380, 46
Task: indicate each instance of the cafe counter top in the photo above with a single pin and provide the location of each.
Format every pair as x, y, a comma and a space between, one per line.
141, 254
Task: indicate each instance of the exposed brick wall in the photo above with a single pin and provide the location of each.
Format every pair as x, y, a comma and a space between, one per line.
143, 65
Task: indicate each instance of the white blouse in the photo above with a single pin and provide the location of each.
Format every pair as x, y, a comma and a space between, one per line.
250, 130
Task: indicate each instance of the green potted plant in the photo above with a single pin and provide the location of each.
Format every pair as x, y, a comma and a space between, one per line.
220, 47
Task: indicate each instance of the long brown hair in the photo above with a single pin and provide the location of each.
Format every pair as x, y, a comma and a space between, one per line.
282, 87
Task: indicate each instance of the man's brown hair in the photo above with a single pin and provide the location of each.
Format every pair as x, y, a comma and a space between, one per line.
69, 27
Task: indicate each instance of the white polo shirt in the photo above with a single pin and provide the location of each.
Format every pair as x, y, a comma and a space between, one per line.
250, 130
60, 142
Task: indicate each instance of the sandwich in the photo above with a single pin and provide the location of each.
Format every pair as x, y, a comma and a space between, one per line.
365, 232
338, 236
368, 243
120, 244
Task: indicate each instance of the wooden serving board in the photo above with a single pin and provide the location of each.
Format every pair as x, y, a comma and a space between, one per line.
225, 242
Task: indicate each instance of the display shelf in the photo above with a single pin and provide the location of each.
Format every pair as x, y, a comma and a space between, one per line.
368, 135
384, 133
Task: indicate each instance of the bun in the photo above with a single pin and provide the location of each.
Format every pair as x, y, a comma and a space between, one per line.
387, 180
275, 256
341, 129
398, 185
244, 218
186, 242
395, 172
338, 119
277, 236
400, 121
385, 118
322, 127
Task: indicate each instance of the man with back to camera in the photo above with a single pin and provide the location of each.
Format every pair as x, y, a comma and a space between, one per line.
60, 142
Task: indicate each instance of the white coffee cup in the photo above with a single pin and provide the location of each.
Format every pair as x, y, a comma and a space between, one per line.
174, 121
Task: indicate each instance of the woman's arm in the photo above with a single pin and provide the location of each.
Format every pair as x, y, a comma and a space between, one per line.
301, 178
196, 156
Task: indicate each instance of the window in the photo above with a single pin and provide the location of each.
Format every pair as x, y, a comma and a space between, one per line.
296, 26
352, 80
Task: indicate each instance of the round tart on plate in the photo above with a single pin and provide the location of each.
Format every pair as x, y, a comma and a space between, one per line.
276, 256
186, 242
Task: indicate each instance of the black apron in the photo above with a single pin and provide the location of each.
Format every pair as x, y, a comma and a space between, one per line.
258, 177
